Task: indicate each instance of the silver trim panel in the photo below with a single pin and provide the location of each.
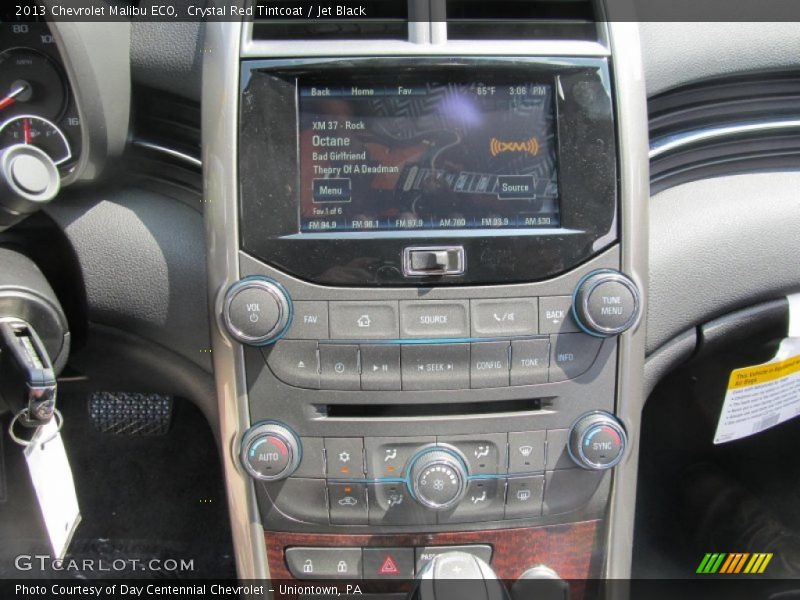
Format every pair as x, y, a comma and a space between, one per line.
190, 160
679, 141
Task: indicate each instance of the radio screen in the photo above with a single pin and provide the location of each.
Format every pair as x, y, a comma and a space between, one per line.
427, 156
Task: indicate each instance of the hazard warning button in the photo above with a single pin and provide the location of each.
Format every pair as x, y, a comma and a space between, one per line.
388, 563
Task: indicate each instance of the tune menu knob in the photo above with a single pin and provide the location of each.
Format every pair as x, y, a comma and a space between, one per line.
606, 303
597, 441
270, 451
257, 311
438, 478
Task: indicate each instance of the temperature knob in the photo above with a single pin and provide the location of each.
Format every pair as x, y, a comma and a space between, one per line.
257, 311
270, 451
597, 441
438, 478
606, 303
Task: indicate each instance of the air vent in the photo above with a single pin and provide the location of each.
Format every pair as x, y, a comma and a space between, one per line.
380, 20
521, 20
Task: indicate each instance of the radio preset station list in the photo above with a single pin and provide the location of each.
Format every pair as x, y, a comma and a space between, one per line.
427, 156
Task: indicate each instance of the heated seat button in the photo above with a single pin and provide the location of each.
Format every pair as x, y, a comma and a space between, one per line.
434, 319
380, 367
294, 362
501, 317
489, 365
388, 563
572, 354
348, 503
339, 368
529, 360
435, 366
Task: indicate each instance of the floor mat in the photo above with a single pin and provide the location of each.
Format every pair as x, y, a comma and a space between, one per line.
148, 498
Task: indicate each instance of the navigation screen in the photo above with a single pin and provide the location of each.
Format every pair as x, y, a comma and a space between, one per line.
429, 156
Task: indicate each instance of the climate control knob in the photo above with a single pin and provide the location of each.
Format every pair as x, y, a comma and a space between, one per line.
606, 303
257, 311
597, 441
270, 451
438, 478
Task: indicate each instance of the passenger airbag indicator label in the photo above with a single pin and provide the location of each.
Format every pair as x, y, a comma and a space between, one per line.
762, 396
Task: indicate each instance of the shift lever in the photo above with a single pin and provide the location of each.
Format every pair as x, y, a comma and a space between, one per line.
458, 576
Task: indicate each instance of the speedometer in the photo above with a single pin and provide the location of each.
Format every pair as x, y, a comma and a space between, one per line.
30, 83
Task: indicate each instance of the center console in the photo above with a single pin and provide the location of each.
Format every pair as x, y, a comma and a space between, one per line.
426, 305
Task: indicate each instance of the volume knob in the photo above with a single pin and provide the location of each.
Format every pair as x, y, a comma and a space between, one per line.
606, 303
257, 311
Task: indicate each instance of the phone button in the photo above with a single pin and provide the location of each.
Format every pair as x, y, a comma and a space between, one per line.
505, 317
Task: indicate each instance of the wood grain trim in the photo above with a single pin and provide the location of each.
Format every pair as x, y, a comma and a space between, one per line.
572, 550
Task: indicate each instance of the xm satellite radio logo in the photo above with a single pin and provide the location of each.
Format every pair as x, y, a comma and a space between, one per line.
737, 563
530, 146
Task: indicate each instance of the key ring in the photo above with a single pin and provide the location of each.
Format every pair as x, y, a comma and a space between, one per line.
25, 443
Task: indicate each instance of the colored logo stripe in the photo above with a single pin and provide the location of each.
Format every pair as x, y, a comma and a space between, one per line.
734, 563
711, 563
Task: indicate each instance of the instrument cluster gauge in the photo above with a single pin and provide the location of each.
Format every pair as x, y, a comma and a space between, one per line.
37, 106
39, 132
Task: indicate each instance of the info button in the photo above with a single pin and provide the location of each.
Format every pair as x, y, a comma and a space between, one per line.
331, 190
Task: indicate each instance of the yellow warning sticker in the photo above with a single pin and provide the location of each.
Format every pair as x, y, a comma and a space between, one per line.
748, 376
761, 396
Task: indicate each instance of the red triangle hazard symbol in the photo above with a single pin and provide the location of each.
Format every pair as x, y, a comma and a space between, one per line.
389, 567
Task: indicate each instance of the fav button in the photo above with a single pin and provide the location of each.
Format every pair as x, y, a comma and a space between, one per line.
310, 321
434, 319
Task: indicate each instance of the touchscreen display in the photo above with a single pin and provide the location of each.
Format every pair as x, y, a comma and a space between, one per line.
427, 156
